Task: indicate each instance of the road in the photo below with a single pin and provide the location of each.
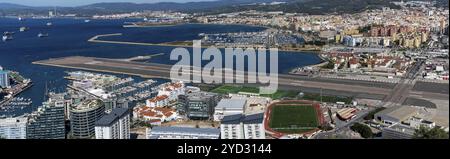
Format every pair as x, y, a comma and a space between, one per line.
340, 125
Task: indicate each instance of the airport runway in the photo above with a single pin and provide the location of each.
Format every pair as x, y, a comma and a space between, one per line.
152, 70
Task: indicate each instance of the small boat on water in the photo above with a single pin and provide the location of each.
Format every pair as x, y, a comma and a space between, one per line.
7, 36
20, 19
41, 35
4, 38
8, 33
22, 29
49, 24
87, 21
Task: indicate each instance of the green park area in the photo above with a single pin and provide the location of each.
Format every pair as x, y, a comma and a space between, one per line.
227, 89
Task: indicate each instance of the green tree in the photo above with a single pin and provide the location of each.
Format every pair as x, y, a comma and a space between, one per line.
427, 133
329, 65
362, 129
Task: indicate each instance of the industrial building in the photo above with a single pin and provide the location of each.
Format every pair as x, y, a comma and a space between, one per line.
229, 107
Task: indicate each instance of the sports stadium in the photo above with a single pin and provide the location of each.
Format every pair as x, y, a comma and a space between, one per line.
293, 117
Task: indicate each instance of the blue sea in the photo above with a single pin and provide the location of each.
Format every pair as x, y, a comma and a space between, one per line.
68, 37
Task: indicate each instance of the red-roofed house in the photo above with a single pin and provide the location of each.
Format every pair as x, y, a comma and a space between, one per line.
158, 101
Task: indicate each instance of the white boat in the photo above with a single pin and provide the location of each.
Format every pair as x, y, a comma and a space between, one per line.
87, 21
49, 24
22, 29
7, 37
41, 35
20, 19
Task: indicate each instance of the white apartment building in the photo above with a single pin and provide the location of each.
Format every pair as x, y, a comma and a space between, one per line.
158, 101
243, 127
115, 125
13, 128
172, 90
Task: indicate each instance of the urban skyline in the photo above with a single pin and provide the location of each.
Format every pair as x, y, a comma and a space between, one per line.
258, 73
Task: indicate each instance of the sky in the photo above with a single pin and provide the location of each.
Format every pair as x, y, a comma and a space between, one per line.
71, 3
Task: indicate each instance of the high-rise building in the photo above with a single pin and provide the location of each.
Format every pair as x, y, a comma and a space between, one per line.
115, 125
4, 79
83, 117
199, 105
13, 128
48, 121
241, 126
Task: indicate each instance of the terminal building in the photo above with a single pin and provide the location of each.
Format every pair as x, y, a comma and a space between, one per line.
13, 128
83, 117
182, 133
48, 121
241, 126
115, 125
401, 122
394, 115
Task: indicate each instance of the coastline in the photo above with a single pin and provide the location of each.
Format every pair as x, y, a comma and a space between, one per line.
188, 44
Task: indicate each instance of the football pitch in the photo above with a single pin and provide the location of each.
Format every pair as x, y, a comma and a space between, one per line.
293, 118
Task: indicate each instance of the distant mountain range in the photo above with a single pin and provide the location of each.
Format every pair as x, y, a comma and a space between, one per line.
126, 7
175, 6
12, 6
105, 8
219, 6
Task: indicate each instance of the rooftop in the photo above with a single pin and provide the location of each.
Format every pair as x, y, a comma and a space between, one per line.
109, 119
246, 119
400, 113
87, 105
231, 103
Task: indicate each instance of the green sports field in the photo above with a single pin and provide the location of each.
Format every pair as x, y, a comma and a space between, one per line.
293, 118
